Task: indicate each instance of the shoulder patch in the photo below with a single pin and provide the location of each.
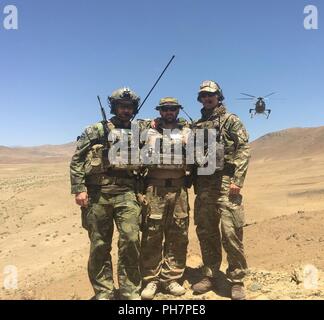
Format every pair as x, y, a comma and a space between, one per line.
89, 130
100, 128
94, 131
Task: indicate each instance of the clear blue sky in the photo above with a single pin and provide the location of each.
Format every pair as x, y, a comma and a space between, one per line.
66, 52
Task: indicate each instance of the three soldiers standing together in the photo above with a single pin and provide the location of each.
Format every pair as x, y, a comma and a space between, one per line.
155, 198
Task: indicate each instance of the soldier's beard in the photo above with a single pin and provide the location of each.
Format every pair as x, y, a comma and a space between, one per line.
210, 104
169, 119
125, 117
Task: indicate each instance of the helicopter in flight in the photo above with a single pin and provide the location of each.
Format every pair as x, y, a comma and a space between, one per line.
260, 105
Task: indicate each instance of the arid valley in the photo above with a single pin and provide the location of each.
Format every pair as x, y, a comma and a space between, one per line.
41, 233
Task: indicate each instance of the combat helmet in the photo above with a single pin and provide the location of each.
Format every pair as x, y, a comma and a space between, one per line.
168, 101
123, 96
210, 86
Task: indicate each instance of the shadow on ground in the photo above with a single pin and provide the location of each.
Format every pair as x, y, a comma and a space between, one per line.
222, 286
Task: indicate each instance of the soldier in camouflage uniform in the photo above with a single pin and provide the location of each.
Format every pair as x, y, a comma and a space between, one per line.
107, 194
218, 197
165, 232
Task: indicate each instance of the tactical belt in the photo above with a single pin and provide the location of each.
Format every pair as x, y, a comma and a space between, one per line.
111, 177
119, 174
166, 182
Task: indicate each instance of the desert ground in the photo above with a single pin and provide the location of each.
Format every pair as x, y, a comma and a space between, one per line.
41, 233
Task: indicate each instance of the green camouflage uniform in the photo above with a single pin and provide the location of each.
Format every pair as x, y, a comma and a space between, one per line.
167, 218
213, 203
111, 198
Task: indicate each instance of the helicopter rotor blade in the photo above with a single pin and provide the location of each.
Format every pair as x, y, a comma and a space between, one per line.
249, 95
270, 94
245, 99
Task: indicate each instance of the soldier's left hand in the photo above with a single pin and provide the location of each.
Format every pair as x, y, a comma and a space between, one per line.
234, 189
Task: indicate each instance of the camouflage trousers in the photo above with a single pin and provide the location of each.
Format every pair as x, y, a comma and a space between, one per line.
167, 219
98, 218
213, 207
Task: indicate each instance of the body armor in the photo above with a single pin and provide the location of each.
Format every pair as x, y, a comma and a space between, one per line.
164, 150
209, 145
114, 151
123, 150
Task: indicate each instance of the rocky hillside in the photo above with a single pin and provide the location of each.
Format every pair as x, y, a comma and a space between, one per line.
289, 144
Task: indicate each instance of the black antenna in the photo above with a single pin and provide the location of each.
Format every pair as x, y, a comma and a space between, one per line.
184, 111
104, 117
156, 82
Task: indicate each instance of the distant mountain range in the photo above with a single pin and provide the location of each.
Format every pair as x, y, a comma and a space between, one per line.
44, 153
285, 144
289, 144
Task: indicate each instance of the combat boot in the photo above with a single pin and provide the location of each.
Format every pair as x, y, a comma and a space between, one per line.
150, 290
203, 286
175, 288
238, 292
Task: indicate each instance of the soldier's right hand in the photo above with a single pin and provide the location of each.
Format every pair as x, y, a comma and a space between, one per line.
81, 199
155, 123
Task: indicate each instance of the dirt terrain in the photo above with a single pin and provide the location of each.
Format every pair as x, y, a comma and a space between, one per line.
41, 235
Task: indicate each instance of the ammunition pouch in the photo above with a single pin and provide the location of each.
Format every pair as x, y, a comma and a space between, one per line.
209, 154
95, 163
165, 152
229, 169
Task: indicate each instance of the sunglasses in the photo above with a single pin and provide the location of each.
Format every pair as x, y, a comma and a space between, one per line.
169, 108
207, 94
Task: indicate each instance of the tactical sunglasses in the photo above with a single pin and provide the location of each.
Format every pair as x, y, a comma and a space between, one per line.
124, 105
207, 94
169, 108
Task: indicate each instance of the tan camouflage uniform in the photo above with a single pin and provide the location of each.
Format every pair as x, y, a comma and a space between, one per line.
214, 205
165, 233
111, 198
